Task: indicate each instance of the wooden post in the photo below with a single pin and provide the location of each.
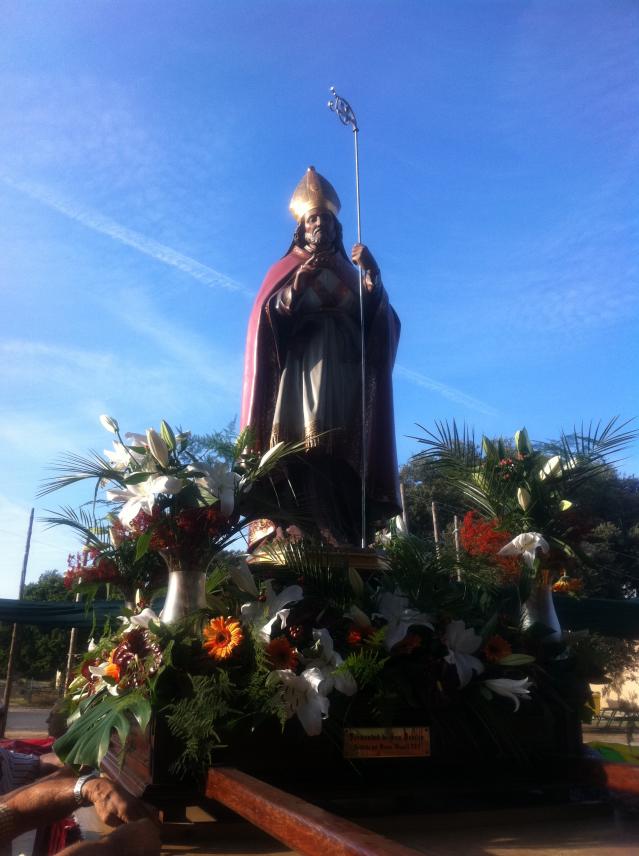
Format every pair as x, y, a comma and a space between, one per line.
457, 552
14, 635
435, 526
71, 652
404, 511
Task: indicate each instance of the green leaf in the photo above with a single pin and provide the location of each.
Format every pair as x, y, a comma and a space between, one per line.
87, 740
137, 478
516, 660
143, 543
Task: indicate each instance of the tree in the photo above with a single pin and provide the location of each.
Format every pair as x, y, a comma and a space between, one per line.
40, 652
584, 504
422, 487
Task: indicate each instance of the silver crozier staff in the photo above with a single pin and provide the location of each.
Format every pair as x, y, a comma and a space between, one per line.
346, 116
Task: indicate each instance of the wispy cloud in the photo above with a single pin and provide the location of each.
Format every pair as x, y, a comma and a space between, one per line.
194, 355
106, 226
446, 391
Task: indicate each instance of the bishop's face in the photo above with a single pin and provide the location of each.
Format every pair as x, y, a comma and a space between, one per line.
319, 230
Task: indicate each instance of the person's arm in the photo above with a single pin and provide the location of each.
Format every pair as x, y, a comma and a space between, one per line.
18, 769
53, 798
140, 838
49, 763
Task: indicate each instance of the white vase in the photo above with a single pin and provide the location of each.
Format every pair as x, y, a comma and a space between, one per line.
540, 609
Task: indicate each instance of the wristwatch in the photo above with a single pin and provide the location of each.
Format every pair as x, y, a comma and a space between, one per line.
80, 783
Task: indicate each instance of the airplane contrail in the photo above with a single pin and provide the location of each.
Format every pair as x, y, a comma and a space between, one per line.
106, 226
448, 392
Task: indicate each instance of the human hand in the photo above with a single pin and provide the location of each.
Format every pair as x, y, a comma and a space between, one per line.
113, 804
304, 274
363, 258
140, 838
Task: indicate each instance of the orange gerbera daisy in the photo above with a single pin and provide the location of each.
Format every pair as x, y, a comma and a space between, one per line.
282, 654
496, 648
222, 636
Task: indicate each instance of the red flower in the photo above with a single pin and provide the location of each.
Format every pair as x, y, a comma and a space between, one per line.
408, 644
496, 648
481, 537
357, 634
281, 654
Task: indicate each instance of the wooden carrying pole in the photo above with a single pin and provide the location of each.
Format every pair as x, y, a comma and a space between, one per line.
14, 635
306, 828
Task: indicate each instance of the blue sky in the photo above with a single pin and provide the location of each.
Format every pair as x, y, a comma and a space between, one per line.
148, 152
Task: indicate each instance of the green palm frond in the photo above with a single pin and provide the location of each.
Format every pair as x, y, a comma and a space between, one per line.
435, 579
75, 468
592, 451
475, 472
94, 532
324, 571
457, 458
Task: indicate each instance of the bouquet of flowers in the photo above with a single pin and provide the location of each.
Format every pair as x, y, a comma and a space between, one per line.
313, 643
525, 498
164, 506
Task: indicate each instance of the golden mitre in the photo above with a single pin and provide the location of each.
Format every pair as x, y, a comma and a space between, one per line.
314, 191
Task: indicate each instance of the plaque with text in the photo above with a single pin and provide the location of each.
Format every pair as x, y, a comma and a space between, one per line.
396, 742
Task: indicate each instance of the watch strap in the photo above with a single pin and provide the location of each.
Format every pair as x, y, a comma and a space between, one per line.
80, 783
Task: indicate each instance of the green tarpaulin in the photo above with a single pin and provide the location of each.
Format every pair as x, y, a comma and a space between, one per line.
58, 613
618, 618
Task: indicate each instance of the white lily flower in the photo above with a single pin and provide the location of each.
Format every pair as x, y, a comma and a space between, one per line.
99, 672
358, 616
136, 439
157, 447
272, 608
523, 498
525, 545
251, 612
462, 642
400, 617
120, 458
551, 468
92, 645
302, 695
275, 604
222, 485
510, 688
142, 496
109, 423
142, 619
327, 662
243, 578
